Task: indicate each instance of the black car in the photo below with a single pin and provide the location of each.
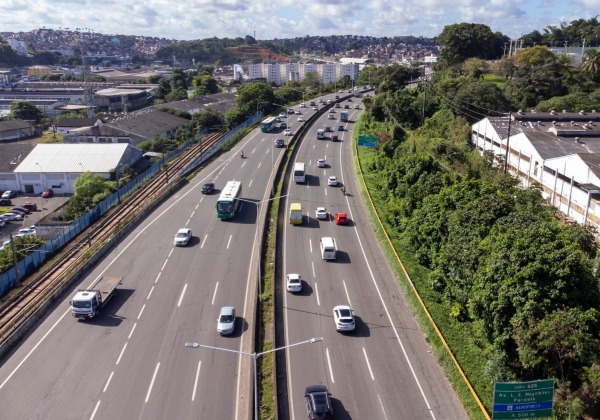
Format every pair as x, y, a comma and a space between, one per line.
5, 202
279, 143
208, 188
318, 404
22, 209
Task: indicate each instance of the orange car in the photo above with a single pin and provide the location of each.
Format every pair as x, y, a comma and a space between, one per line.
341, 219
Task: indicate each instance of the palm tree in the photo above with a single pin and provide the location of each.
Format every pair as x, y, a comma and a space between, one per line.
590, 64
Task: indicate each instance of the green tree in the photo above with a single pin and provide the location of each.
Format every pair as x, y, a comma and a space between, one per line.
466, 40
205, 84
250, 96
176, 95
154, 79
24, 110
207, 118
590, 64
90, 190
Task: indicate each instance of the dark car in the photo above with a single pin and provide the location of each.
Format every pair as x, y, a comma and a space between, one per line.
279, 143
5, 202
283, 125
48, 193
334, 137
19, 212
22, 209
30, 206
318, 404
208, 188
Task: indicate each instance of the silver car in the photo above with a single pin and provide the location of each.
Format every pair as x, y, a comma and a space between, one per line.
226, 321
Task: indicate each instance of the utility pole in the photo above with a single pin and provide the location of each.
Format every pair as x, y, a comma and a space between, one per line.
424, 97
507, 143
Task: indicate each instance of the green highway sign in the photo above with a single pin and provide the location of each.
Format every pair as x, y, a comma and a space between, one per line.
523, 400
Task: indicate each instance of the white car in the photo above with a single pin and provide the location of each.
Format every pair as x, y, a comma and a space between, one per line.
298, 112
321, 163
300, 118
332, 181
282, 115
226, 320
321, 213
12, 216
28, 231
343, 318
302, 105
294, 283
287, 132
182, 237
315, 108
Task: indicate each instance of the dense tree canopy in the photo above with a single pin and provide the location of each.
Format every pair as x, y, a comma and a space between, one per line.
467, 40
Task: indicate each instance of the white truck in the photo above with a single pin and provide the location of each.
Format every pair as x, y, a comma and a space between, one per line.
87, 303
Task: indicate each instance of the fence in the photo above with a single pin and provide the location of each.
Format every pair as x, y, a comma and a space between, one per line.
25, 266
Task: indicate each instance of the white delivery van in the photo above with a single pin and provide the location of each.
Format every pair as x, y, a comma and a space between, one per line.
328, 249
320, 133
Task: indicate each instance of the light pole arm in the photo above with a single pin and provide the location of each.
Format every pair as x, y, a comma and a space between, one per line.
196, 345
311, 341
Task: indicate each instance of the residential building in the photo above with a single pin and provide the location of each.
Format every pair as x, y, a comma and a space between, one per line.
279, 74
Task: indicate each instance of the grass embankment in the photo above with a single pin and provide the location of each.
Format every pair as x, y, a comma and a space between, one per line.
459, 336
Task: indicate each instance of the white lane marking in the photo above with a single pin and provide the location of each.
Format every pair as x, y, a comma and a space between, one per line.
243, 164
192, 215
329, 365
312, 263
382, 407
203, 241
215, 294
198, 205
152, 382
132, 330
142, 310
95, 409
150, 294
196, 380
251, 182
169, 256
317, 294
347, 295
253, 150
121, 354
166, 261
325, 191
229, 241
259, 165
157, 277
310, 245
188, 221
368, 364
182, 294
108, 382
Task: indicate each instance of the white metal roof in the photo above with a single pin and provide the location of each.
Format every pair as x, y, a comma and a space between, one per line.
73, 158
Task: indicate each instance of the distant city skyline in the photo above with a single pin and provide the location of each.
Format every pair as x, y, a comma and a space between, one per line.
202, 19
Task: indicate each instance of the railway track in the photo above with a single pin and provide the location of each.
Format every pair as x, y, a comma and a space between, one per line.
43, 284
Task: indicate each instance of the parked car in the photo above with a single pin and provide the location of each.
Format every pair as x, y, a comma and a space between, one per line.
182, 237
19, 212
30, 206
341, 219
343, 318
5, 202
321, 213
226, 320
9, 194
2, 223
279, 143
208, 188
21, 209
48, 193
28, 231
318, 404
12, 217
293, 283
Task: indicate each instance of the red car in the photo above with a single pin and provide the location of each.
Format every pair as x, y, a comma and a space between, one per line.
48, 193
341, 219
30, 206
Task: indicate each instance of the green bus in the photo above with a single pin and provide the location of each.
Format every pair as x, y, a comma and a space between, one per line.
229, 200
267, 125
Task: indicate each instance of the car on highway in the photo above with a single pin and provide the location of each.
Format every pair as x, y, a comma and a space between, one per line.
30, 206
356, 106
334, 137
321, 213
298, 112
343, 319
349, 99
331, 117
12, 217
341, 219
208, 188
287, 132
300, 118
321, 163
226, 320
318, 404
337, 105
283, 125
315, 108
282, 115
332, 181
331, 111
340, 127
346, 106
302, 105
279, 143
182, 237
48, 193
5, 202
293, 283
9, 194
290, 110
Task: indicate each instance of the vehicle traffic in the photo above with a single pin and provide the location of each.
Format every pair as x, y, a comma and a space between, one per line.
343, 318
299, 172
182, 237
87, 303
226, 320
208, 187
293, 283
267, 125
296, 216
318, 404
321, 213
229, 200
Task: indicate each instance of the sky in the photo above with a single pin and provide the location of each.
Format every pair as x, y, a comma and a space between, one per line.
269, 19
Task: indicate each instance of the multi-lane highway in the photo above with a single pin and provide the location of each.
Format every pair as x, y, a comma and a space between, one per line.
130, 362
385, 369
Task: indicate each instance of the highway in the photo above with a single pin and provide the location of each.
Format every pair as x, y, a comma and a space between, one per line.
385, 369
130, 362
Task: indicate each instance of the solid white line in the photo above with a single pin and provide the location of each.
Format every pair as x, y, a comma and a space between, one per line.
215, 294
347, 295
329, 364
157, 277
312, 263
108, 382
170, 252
196, 380
368, 364
317, 294
141, 311
229, 241
382, 407
132, 330
166, 261
152, 382
95, 409
121, 354
182, 294
203, 241
149, 294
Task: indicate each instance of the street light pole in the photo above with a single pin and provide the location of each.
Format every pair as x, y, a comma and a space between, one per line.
255, 357
42, 182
